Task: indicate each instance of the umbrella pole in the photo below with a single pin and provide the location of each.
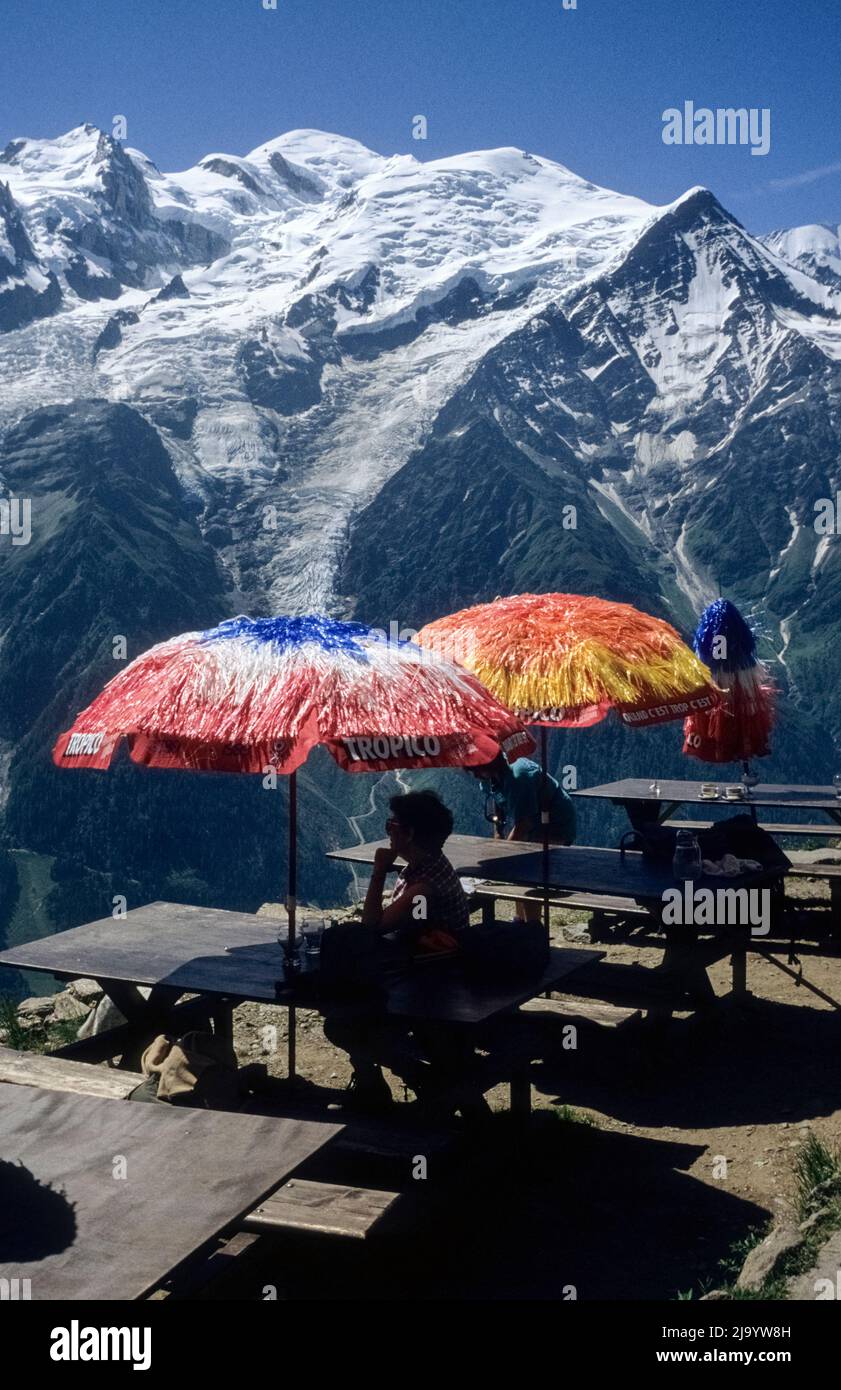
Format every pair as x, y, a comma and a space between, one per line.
544, 821
291, 904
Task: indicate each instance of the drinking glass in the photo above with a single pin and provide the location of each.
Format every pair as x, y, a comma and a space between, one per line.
311, 933
836, 782
687, 862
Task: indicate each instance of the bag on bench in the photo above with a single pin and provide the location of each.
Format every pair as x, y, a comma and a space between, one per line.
505, 950
357, 960
198, 1069
738, 835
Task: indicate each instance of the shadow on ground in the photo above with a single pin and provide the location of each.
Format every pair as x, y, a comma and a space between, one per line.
570, 1212
755, 1062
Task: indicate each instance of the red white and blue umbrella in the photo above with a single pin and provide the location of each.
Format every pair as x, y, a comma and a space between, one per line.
257, 694
260, 693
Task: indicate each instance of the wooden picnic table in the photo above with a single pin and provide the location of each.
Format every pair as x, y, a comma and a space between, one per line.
575, 868
230, 957
174, 949
73, 1225
608, 872
672, 793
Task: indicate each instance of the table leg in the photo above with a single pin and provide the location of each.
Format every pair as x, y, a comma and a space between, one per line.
520, 1087
147, 1017
739, 969
681, 966
222, 1018
834, 907
292, 1051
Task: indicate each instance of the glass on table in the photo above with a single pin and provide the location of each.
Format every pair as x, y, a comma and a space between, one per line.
289, 949
312, 930
836, 782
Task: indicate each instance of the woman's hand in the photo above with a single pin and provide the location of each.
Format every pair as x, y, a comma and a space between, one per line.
372, 908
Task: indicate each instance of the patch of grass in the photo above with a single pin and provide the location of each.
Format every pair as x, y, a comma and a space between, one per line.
17, 1036
565, 1114
732, 1262
817, 1173
42, 1037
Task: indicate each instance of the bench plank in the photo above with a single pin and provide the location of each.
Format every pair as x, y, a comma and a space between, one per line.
822, 832
799, 869
594, 902
583, 1011
322, 1208
56, 1074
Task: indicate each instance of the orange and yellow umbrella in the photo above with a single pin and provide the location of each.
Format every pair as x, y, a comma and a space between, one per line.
565, 661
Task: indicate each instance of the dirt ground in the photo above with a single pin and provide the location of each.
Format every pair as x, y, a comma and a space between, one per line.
693, 1127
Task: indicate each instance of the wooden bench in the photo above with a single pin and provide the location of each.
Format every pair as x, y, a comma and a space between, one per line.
595, 1011
298, 1207
57, 1074
820, 832
320, 1208
831, 872
601, 905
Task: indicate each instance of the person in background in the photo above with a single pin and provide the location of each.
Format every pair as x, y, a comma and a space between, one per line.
517, 791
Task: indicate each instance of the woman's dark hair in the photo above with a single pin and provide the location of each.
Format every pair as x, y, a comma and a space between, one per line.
425, 814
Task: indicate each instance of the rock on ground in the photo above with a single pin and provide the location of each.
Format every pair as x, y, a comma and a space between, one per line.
86, 990
36, 1008
823, 1281
764, 1257
67, 1008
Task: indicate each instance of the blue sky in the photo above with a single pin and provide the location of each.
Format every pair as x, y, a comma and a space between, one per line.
586, 86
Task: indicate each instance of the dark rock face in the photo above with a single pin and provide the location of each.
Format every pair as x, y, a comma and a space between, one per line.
125, 232
22, 304
105, 505
112, 334
15, 234
115, 553
290, 382
288, 385
298, 182
229, 170
27, 292
464, 301
470, 517
88, 286
177, 416
176, 289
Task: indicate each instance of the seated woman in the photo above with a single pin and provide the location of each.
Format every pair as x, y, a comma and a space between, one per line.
428, 906
427, 913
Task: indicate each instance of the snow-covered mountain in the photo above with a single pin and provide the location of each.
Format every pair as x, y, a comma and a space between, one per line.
376, 385
814, 249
